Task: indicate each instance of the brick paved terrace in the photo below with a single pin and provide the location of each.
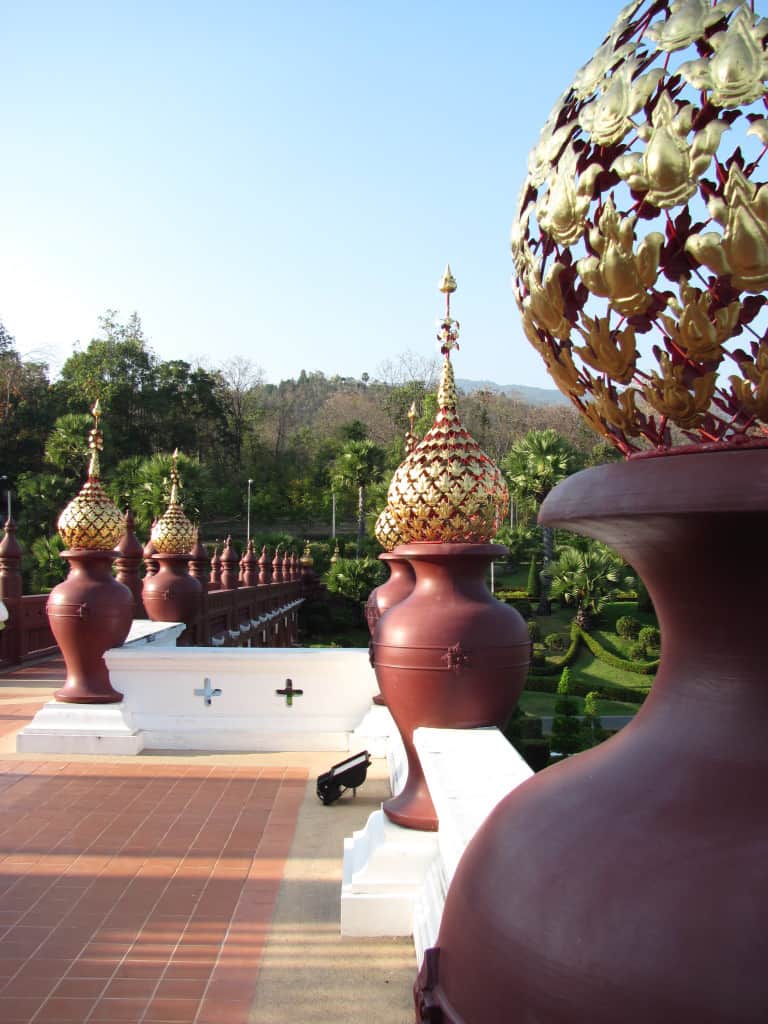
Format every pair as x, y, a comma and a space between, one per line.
188, 889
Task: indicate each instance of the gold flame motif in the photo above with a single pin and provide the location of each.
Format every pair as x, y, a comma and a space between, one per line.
173, 534
92, 520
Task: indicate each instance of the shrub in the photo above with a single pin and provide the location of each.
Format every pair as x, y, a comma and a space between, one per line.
355, 578
534, 632
644, 603
518, 600
650, 638
548, 684
537, 656
644, 667
556, 642
534, 585
637, 651
627, 626
524, 732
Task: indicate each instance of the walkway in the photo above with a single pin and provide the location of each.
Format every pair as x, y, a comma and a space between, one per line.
187, 889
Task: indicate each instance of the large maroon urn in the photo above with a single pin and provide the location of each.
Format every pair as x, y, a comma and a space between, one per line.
448, 656
89, 613
630, 883
392, 591
172, 594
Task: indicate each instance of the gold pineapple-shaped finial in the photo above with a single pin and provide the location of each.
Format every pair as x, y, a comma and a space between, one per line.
173, 533
447, 489
92, 520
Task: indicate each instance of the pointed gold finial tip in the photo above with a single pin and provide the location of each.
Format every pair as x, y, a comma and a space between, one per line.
96, 408
447, 281
412, 411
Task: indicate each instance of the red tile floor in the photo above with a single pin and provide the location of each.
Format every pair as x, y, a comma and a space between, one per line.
136, 891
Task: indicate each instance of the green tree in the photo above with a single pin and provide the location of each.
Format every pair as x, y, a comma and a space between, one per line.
66, 449
27, 409
358, 465
534, 465
585, 579
121, 371
355, 578
145, 485
566, 728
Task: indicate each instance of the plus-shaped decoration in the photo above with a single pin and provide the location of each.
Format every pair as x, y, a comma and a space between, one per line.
207, 692
289, 693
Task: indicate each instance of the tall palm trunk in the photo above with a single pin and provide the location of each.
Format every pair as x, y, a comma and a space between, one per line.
547, 551
360, 519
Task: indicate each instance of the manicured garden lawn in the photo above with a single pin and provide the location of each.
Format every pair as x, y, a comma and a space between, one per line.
588, 669
544, 704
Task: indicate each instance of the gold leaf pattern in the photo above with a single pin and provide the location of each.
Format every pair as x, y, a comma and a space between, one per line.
736, 71
447, 489
619, 273
696, 331
671, 396
742, 250
668, 169
611, 352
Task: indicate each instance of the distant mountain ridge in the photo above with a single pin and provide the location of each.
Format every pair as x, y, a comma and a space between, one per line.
533, 396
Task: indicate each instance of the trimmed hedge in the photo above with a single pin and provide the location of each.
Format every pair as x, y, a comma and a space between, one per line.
518, 599
548, 684
645, 668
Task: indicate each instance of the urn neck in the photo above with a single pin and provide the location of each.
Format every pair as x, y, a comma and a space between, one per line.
693, 528
441, 568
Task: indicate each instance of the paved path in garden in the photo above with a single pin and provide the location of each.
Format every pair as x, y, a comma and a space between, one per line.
179, 888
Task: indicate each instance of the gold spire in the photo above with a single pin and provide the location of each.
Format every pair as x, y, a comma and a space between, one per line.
173, 534
92, 520
95, 442
447, 489
447, 281
306, 558
410, 438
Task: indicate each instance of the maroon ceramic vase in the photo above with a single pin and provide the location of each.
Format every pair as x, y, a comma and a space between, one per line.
630, 883
391, 592
449, 656
172, 595
89, 613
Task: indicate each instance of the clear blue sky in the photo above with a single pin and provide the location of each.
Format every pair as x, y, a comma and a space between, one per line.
279, 181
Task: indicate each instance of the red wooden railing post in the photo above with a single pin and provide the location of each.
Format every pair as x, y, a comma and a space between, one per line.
127, 564
10, 593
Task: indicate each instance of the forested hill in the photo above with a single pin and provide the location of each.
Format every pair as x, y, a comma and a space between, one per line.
520, 392
231, 426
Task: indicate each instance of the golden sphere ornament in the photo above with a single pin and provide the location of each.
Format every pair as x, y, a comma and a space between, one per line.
640, 240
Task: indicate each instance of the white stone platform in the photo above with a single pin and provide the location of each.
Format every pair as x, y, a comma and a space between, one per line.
60, 728
169, 705
395, 879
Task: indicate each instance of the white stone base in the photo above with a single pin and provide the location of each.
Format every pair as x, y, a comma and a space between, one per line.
385, 867
396, 879
375, 731
60, 728
164, 691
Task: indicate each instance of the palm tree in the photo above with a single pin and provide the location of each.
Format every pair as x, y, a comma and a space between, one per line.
358, 465
66, 448
534, 465
586, 579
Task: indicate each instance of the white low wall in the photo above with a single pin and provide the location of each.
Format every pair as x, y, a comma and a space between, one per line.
395, 879
158, 686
